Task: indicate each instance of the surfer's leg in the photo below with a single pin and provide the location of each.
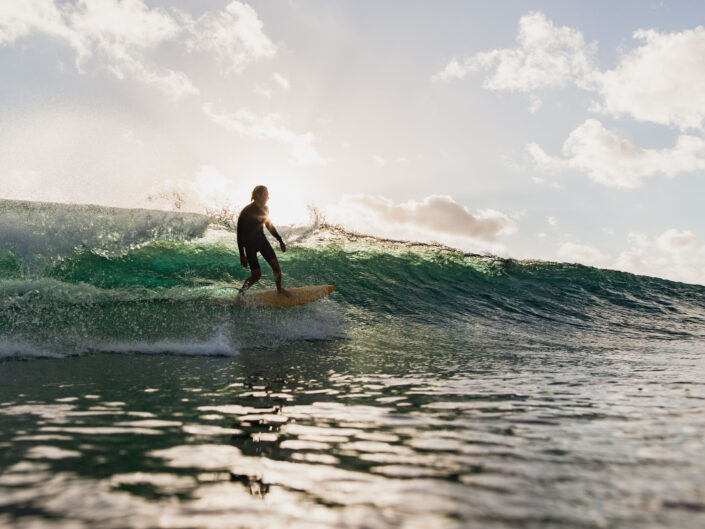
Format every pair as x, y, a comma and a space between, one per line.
274, 263
268, 253
254, 277
255, 272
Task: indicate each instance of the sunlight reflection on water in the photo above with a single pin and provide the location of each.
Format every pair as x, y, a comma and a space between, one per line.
260, 442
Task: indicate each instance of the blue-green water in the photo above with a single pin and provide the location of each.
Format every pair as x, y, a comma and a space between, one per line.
431, 389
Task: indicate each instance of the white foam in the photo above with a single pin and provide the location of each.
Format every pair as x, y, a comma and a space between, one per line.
252, 329
19, 349
219, 345
274, 328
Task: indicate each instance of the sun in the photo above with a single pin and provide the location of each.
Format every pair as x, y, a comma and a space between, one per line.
287, 200
287, 204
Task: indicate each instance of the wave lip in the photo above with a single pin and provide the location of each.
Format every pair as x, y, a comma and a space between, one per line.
40, 231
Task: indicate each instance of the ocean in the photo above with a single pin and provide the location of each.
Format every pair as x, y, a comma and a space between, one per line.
432, 389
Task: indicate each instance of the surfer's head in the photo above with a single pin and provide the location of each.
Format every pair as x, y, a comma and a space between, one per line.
260, 194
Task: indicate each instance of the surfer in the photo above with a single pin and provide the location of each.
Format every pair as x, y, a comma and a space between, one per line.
251, 239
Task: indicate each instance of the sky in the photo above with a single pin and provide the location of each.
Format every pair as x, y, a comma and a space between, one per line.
555, 130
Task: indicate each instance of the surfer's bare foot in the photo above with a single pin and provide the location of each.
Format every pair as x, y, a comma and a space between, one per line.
285, 292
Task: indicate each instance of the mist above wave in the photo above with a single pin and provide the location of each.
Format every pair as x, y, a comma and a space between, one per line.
36, 230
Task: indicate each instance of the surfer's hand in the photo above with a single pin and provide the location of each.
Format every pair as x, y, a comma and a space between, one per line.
243, 260
282, 245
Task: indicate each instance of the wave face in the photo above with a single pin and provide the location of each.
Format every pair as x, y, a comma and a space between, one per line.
87, 278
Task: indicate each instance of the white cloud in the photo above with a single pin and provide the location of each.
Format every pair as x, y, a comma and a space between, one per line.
613, 160
114, 34
453, 70
263, 91
282, 81
20, 19
674, 254
660, 81
379, 160
638, 241
542, 160
235, 35
536, 104
174, 84
633, 262
553, 221
118, 30
121, 36
546, 56
676, 241
580, 253
436, 215
278, 82
268, 127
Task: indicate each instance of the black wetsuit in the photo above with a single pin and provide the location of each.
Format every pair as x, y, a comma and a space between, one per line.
250, 234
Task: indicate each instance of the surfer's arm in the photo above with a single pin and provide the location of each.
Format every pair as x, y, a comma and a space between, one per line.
275, 234
272, 230
240, 243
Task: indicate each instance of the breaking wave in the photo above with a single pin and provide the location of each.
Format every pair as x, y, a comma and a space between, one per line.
87, 278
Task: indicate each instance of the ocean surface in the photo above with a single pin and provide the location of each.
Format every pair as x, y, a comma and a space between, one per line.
432, 389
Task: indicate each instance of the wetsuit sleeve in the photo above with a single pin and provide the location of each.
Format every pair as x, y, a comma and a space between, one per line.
270, 226
273, 230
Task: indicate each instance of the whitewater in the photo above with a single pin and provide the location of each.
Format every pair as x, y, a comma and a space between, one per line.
433, 388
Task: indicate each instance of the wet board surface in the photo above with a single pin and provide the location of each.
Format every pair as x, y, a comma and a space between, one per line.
272, 299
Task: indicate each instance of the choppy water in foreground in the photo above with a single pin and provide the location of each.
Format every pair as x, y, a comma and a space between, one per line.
432, 389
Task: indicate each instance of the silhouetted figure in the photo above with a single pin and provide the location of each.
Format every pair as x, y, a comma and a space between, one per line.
251, 239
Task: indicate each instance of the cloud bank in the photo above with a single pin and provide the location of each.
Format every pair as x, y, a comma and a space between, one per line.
435, 218
674, 254
123, 37
659, 81
235, 35
546, 56
581, 253
613, 160
268, 127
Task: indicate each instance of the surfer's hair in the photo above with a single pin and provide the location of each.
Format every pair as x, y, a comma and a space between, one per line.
257, 190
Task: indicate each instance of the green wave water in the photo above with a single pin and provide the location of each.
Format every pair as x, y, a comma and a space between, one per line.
81, 278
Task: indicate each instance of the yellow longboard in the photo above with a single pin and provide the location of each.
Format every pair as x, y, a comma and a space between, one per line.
273, 300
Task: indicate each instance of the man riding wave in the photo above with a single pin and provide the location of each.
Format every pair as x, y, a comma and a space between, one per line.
251, 239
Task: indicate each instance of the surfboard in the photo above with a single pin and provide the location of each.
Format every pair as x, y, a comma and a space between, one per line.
273, 300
